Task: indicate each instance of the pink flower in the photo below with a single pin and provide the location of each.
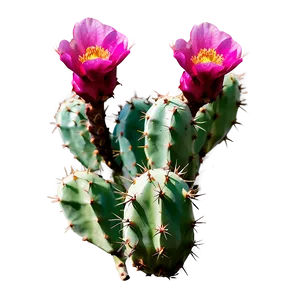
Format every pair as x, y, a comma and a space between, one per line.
95, 50
100, 90
206, 58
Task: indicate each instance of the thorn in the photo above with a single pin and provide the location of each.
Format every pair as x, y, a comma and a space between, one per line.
130, 200
227, 139
160, 194
192, 194
144, 134
55, 199
127, 222
132, 250
123, 244
162, 230
143, 167
167, 177
150, 177
176, 108
159, 252
125, 178
197, 222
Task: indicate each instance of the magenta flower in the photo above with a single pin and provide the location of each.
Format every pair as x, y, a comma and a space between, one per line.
95, 50
206, 58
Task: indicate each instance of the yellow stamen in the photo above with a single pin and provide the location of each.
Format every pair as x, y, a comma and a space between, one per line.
94, 52
206, 56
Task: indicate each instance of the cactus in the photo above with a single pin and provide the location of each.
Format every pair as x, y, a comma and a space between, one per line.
145, 213
71, 120
127, 133
159, 231
170, 133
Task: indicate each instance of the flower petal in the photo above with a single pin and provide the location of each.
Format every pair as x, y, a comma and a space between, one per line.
88, 91
207, 70
179, 58
236, 65
94, 91
90, 32
122, 57
97, 67
190, 89
68, 52
66, 61
206, 35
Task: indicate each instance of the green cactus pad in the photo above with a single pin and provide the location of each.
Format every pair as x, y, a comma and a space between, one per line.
128, 133
159, 233
170, 133
72, 122
90, 205
226, 111
204, 119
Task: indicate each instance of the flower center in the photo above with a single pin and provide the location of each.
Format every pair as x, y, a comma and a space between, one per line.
207, 56
93, 53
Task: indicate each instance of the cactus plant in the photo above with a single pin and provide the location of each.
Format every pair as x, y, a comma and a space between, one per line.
155, 150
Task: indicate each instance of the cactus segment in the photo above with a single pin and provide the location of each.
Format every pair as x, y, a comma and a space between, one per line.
72, 122
159, 235
89, 203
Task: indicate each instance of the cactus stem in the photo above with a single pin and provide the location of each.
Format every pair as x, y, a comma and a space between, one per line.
121, 267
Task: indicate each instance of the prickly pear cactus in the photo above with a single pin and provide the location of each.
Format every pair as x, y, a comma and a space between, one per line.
72, 122
159, 233
128, 134
170, 133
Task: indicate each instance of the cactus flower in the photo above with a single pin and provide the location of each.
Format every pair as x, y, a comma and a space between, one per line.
207, 57
93, 55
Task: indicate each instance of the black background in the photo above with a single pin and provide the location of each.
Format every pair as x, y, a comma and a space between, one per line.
268, 31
